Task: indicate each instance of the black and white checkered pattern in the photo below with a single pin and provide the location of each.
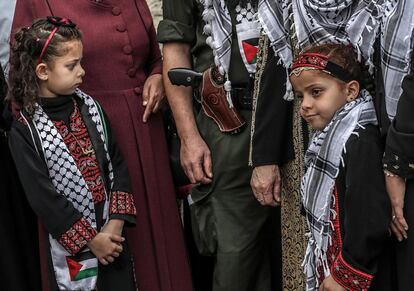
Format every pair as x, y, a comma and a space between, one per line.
396, 49
63, 171
321, 21
245, 14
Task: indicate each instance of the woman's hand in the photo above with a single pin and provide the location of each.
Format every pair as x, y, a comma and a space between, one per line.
396, 191
329, 284
152, 95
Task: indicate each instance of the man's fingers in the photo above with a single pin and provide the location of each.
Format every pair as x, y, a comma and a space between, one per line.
198, 172
269, 200
189, 173
260, 198
115, 254
207, 165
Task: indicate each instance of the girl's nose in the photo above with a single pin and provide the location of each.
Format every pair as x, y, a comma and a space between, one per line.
82, 72
306, 103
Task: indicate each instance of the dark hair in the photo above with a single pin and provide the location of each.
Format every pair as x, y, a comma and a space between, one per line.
25, 52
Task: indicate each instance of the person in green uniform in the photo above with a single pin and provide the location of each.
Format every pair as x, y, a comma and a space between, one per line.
228, 223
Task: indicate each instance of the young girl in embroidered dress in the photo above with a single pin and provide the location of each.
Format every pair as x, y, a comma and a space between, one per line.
68, 161
343, 192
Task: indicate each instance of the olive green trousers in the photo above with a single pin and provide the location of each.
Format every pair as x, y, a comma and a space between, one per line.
227, 221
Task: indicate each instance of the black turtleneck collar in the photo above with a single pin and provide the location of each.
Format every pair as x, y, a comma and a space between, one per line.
58, 108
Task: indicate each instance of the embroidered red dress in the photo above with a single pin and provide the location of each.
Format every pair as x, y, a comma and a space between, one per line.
120, 52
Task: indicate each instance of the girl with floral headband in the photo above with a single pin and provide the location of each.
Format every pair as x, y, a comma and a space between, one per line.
343, 192
68, 162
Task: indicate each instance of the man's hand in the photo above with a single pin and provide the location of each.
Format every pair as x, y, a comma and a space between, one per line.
329, 284
196, 160
106, 246
152, 95
396, 191
266, 184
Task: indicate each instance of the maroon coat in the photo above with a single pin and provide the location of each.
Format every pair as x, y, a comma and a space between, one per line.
120, 52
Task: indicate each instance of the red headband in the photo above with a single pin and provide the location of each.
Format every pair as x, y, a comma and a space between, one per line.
57, 22
321, 62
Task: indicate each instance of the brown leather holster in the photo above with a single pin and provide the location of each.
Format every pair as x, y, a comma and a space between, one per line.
215, 104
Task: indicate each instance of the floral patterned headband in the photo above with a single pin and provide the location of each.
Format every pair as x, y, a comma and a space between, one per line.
315, 61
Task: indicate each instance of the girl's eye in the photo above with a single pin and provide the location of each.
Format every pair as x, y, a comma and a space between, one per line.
316, 92
299, 96
71, 67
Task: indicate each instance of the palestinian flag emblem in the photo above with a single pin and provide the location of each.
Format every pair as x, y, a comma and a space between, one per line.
82, 266
250, 48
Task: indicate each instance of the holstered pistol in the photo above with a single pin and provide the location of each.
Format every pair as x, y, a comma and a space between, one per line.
215, 104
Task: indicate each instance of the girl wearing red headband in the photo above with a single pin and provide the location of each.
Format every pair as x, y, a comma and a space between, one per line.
343, 192
70, 166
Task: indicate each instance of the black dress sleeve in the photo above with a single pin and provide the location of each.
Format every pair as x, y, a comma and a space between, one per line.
272, 133
399, 151
364, 210
55, 212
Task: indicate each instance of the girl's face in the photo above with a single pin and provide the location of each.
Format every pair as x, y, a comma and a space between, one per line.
63, 74
321, 96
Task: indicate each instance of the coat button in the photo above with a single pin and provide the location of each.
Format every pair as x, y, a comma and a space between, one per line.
121, 27
116, 11
127, 49
138, 90
132, 72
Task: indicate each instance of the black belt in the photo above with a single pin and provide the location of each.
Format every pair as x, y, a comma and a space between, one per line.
242, 98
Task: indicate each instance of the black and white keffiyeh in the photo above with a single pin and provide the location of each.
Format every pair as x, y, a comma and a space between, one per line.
396, 48
322, 160
219, 30
68, 181
350, 22
321, 21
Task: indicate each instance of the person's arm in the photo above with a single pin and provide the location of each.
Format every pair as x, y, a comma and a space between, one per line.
272, 144
153, 91
398, 158
195, 155
55, 212
365, 211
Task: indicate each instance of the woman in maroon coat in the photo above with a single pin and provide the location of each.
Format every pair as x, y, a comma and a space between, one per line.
124, 65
